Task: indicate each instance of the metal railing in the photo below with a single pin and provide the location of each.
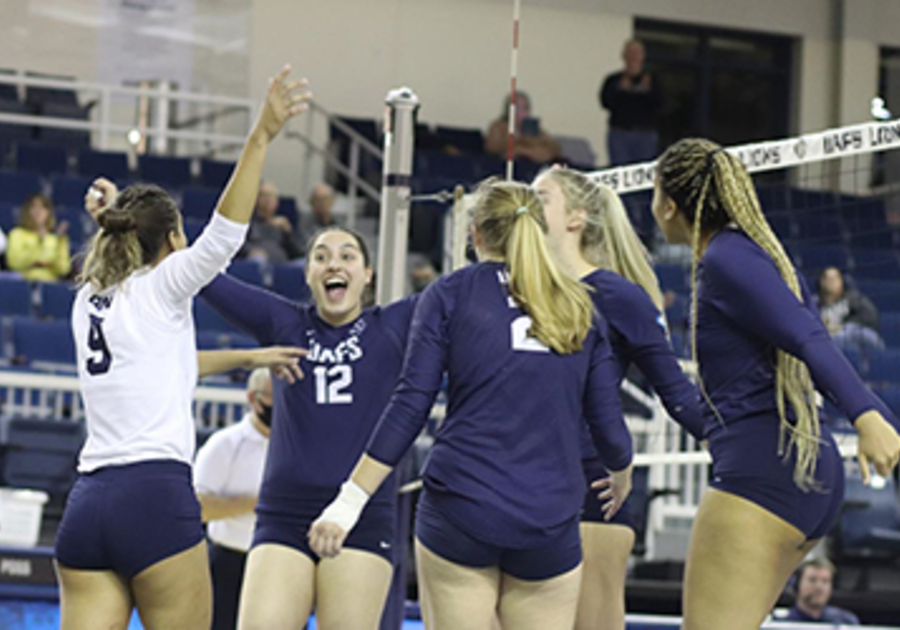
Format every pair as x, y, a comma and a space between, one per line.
115, 115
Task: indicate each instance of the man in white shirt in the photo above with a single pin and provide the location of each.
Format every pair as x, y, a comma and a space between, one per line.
227, 474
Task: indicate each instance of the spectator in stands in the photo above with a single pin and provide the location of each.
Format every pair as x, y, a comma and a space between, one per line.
38, 247
813, 582
531, 141
633, 98
227, 474
320, 215
849, 316
423, 273
271, 238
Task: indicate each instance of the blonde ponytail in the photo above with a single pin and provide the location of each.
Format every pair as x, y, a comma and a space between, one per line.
713, 189
510, 222
609, 240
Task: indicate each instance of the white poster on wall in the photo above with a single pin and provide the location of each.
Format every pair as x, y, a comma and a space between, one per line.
146, 40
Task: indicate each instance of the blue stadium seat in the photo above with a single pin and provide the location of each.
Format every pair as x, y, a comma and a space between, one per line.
214, 174
672, 278
16, 187
884, 366
889, 323
871, 239
49, 342
168, 172
9, 216
819, 228
870, 523
815, 257
15, 297
70, 190
45, 159
247, 270
41, 454
287, 207
461, 168
782, 224
466, 140
72, 138
74, 217
863, 215
207, 319
193, 228
10, 132
55, 300
489, 166
110, 164
773, 199
884, 293
290, 282
199, 203
876, 263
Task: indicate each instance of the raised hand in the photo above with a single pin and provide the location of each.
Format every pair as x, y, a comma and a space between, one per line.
284, 100
100, 196
283, 361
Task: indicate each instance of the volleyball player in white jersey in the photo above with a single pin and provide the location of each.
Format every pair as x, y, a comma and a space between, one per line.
131, 533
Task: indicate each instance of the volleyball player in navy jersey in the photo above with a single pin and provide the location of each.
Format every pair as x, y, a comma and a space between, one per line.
320, 428
591, 237
497, 524
131, 533
777, 476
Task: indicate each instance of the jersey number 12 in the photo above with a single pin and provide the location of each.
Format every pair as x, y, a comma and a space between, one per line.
331, 383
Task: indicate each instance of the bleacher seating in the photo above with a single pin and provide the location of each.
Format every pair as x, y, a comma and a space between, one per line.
15, 297
16, 187
247, 270
42, 158
199, 203
69, 190
41, 454
110, 164
290, 281
215, 174
55, 300
169, 172
43, 341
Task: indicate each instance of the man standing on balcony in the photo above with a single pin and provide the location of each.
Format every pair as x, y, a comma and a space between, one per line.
633, 98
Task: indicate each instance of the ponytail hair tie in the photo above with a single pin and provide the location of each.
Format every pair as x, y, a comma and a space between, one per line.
521, 210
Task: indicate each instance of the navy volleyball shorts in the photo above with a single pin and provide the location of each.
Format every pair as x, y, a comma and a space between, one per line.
560, 554
287, 523
127, 518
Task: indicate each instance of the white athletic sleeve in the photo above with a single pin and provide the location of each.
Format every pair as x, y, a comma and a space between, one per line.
182, 274
2, 242
213, 461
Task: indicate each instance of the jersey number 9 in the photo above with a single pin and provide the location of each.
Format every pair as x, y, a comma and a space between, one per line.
97, 343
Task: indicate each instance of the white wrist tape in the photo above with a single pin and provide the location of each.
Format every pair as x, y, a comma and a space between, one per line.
344, 511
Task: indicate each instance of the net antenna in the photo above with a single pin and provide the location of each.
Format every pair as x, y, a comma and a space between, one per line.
513, 76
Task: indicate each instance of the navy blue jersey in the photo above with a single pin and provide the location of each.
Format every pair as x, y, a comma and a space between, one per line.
637, 333
321, 424
505, 466
830, 614
745, 312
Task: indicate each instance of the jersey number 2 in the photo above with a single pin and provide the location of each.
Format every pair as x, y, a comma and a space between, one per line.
330, 383
520, 339
97, 343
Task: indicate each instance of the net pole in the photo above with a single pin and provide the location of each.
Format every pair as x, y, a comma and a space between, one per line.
513, 77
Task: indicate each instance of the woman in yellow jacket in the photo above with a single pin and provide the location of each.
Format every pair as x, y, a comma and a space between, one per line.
39, 249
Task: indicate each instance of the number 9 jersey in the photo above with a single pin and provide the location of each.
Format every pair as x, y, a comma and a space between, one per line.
137, 355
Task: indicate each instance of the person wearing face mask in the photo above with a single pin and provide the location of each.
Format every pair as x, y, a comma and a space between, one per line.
227, 475
321, 427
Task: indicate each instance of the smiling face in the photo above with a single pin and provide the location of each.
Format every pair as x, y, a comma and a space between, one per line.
337, 274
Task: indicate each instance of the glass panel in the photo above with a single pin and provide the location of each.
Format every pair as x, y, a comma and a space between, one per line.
746, 107
678, 117
668, 44
740, 50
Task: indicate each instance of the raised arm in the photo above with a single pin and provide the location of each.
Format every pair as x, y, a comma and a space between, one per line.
254, 310
285, 361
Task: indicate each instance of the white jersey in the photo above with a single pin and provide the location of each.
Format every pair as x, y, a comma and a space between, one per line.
137, 355
231, 464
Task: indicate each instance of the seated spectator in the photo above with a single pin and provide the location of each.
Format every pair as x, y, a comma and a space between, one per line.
531, 141
271, 236
849, 316
320, 215
39, 248
813, 582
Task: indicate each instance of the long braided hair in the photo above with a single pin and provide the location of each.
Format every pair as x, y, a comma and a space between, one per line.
713, 189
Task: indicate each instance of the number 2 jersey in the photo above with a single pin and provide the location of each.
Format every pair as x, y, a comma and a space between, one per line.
137, 356
322, 423
506, 464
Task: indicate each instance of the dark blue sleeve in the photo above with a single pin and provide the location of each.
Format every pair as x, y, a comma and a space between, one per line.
745, 285
634, 316
423, 369
253, 310
603, 408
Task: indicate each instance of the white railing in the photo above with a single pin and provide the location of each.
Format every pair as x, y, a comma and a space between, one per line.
120, 119
57, 397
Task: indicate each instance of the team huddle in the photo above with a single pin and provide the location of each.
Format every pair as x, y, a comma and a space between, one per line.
524, 520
